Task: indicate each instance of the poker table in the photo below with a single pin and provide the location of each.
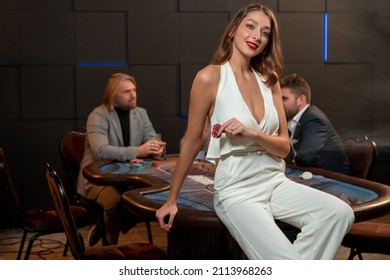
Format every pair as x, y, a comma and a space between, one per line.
198, 233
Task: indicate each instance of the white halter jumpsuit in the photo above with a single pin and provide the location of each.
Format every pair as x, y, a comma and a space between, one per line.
251, 189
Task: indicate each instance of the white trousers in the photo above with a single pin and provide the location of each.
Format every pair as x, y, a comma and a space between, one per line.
252, 190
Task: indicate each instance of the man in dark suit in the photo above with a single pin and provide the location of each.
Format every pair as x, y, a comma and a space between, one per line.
314, 141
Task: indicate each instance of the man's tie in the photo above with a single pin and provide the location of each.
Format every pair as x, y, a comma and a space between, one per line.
292, 153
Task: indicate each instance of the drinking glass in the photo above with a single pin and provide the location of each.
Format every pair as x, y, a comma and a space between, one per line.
156, 137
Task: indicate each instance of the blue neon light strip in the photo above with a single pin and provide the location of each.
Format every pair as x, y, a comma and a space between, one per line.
325, 37
101, 64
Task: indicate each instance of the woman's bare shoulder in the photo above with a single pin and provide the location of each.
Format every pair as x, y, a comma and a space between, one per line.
209, 75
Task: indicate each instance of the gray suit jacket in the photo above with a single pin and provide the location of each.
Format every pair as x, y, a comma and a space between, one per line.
104, 141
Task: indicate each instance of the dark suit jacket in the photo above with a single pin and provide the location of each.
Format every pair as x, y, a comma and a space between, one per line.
316, 143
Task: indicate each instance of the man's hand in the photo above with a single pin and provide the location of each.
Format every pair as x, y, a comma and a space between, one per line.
151, 148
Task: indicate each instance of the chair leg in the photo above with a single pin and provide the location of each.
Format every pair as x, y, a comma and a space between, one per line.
22, 245
30, 244
104, 240
353, 253
81, 242
97, 232
149, 229
66, 248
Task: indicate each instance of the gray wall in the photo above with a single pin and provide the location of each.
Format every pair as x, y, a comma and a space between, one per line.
55, 57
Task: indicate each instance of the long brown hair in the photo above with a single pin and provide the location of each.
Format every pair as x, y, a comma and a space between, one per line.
269, 62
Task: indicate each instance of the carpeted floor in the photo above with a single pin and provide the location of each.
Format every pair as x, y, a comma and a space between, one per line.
51, 247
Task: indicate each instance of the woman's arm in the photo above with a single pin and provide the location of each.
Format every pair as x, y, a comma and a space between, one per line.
201, 101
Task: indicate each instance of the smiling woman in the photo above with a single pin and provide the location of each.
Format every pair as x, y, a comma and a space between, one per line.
239, 93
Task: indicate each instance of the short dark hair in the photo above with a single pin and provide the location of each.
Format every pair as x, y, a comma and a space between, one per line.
297, 84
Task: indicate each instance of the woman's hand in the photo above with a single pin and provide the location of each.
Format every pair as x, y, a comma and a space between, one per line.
234, 127
277, 145
166, 211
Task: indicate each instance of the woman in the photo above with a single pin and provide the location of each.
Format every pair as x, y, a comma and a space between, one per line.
240, 93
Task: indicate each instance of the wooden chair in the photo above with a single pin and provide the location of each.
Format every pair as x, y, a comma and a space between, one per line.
362, 155
36, 221
72, 147
371, 236
135, 251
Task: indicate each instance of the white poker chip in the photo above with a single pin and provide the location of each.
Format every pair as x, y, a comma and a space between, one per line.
306, 175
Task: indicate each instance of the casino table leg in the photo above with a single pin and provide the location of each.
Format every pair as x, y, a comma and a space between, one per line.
202, 243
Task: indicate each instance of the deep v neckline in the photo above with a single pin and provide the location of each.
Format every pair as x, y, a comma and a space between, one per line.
258, 123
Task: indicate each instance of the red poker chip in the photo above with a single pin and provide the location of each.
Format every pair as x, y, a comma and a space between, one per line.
216, 128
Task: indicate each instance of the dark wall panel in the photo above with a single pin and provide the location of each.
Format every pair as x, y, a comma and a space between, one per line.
172, 130
47, 92
381, 35
381, 98
101, 37
9, 47
204, 5
8, 4
357, 5
11, 142
157, 89
349, 97
43, 144
46, 37
9, 93
46, 4
235, 5
350, 37
151, 41
301, 6
359, 30
154, 5
42, 147
200, 34
302, 36
187, 74
100, 5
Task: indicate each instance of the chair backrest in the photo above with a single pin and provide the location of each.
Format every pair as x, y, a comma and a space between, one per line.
8, 182
362, 155
72, 147
63, 211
